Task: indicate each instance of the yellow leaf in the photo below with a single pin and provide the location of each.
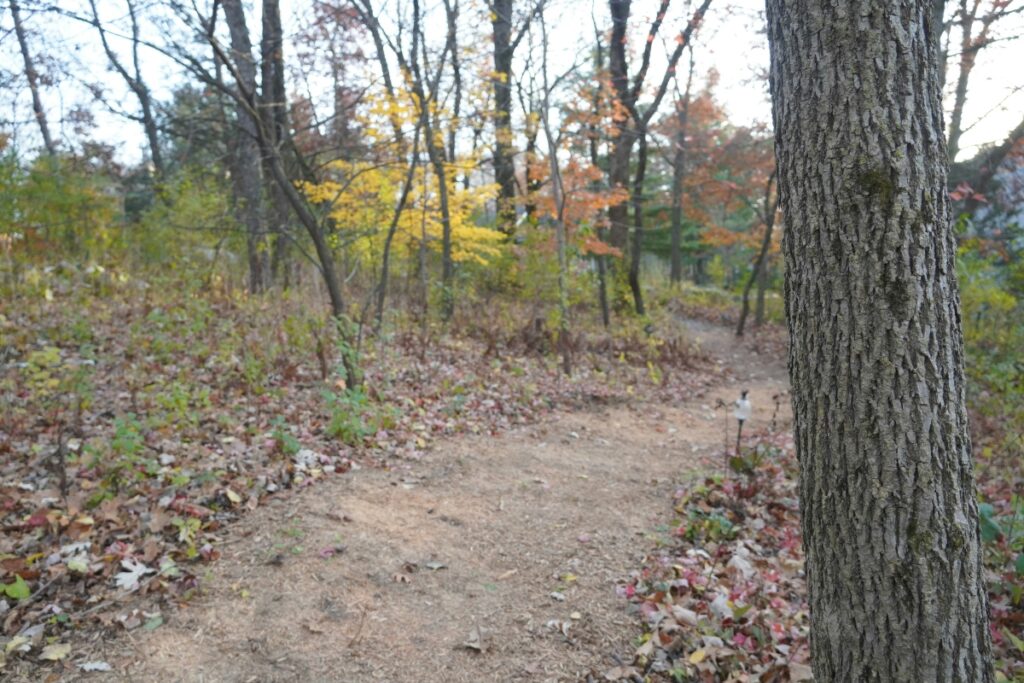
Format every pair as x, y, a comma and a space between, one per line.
698, 656
55, 652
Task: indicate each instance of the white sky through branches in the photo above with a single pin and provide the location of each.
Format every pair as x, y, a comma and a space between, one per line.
730, 41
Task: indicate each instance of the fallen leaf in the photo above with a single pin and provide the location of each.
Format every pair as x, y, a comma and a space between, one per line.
18, 644
475, 640
55, 652
698, 656
800, 672
134, 570
94, 666
18, 590
620, 672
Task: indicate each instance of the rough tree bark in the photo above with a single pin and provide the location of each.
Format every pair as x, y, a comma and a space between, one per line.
33, 80
890, 522
247, 174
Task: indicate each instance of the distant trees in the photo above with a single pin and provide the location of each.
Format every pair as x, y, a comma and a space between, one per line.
632, 124
450, 137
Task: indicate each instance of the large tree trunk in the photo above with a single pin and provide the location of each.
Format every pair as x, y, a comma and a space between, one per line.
33, 80
247, 174
504, 168
887, 495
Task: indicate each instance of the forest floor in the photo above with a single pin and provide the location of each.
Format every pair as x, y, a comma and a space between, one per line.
493, 558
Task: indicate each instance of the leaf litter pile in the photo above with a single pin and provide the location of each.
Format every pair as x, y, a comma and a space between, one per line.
135, 428
722, 597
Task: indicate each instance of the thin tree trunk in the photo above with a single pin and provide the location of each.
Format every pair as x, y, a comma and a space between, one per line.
970, 44
274, 109
451, 11
638, 225
533, 183
625, 135
618, 176
887, 493
762, 287
757, 274
678, 173
675, 275
33, 80
247, 173
558, 194
410, 177
504, 168
422, 260
595, 161
629, 133
134, 82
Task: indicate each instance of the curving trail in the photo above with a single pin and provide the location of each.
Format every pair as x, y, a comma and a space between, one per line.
444, 570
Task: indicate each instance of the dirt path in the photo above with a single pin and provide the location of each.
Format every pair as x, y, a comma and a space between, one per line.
495, 559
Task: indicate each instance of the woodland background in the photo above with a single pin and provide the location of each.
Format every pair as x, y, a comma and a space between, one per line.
392, 223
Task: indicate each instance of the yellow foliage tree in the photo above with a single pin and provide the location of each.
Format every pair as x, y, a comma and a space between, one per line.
361, 195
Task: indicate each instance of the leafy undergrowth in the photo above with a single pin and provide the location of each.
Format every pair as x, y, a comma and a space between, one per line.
722, 598
1001, 489
136, 426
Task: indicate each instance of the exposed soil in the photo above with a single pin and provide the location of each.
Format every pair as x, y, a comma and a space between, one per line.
493, 559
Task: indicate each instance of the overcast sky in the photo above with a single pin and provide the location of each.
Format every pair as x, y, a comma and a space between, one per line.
731, 41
